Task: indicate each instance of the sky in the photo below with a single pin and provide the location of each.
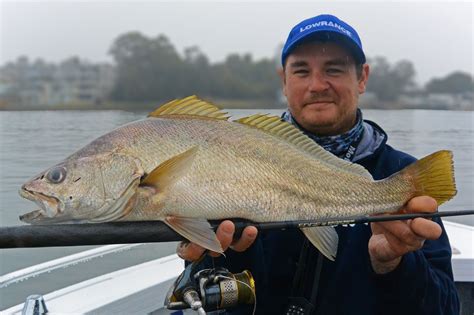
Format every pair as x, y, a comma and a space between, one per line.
436, 36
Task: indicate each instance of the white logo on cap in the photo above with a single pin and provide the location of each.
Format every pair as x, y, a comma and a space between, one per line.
326, 23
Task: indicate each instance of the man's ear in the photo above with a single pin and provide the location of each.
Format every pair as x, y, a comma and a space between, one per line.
281, 74
364, 77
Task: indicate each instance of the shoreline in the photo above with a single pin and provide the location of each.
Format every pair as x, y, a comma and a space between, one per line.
221, 103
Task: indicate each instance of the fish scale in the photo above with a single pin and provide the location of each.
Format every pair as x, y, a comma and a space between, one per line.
243, 168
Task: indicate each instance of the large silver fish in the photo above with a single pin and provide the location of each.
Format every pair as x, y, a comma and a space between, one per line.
188, 163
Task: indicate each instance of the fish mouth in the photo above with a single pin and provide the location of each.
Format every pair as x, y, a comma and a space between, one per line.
50, 206
33, 216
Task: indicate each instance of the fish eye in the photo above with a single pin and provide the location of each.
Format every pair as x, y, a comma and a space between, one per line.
56, 175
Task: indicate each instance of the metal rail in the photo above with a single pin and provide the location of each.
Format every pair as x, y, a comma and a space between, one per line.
62, 262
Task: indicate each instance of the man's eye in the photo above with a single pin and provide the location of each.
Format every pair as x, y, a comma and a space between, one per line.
334, 70
301, 71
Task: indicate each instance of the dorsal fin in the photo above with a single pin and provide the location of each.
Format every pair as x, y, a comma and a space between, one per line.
284, 130
189, 106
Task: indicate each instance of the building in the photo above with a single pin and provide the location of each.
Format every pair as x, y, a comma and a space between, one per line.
41, 84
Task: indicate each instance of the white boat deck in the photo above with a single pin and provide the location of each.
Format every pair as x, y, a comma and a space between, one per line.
138, 289
141, 289
462, 241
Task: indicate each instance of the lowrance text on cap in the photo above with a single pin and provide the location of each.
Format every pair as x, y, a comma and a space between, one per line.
318, 25
325, 24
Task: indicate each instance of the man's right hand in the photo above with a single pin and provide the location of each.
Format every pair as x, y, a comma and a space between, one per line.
225, 233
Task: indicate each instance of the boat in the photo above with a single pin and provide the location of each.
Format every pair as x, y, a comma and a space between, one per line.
141, 289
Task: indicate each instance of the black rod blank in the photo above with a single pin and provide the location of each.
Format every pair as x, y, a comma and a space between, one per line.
157, 231
86, 234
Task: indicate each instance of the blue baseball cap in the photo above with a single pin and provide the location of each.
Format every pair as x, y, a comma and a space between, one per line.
324, 27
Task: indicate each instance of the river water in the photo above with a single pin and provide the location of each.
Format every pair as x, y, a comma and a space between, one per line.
33, 141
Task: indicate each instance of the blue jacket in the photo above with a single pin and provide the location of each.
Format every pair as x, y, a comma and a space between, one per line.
421, 284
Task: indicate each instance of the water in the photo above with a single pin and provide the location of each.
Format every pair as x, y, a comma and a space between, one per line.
32, 141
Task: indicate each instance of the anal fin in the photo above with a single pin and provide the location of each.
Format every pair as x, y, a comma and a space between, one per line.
196, 230
324, 238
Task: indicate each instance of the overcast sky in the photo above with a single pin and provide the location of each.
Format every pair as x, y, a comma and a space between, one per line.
436, 36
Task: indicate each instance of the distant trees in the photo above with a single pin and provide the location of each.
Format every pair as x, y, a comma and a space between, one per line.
388, 81
147, 69
151, 69
454, 83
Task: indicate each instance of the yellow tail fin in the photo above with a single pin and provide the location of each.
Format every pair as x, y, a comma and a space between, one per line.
433, 176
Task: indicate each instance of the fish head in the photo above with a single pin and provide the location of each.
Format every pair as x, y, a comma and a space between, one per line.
87, 189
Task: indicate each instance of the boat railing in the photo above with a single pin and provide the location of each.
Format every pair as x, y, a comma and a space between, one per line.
62, 262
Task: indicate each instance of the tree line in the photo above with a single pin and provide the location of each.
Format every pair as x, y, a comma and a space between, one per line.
152, 69
389, 81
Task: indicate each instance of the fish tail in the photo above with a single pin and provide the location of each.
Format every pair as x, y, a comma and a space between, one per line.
432, 176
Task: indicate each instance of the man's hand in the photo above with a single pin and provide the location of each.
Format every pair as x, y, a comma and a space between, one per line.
225, 234
393, 239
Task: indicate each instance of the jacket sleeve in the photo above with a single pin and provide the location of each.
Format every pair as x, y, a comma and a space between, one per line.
423, 282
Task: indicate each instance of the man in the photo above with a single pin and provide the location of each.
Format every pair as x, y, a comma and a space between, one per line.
398, 267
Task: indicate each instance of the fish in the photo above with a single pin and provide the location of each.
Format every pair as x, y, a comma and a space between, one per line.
188, 162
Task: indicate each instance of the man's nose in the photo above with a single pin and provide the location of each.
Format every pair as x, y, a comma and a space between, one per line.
318, 83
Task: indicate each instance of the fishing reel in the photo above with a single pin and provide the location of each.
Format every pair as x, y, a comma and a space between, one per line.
209, 290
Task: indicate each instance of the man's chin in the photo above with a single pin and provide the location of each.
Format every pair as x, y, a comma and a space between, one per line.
320, 117
321, 127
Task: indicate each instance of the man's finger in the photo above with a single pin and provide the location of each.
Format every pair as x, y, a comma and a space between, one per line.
421, 204
426, 228
225, 234
401, 246
189, 251
402, 231
249, 234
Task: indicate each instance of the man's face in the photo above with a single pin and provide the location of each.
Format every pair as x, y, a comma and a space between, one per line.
322, 87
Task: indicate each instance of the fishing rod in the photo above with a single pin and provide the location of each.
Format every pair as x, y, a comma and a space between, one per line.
156, 231
354, 220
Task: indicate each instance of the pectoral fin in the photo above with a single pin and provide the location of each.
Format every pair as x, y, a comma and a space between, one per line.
170, 171
324, 238
196, 230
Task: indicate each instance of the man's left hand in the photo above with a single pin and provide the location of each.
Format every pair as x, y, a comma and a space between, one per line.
393, 239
